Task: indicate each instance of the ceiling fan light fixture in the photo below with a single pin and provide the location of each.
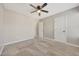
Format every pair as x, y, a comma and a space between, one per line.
39, 8
38, 11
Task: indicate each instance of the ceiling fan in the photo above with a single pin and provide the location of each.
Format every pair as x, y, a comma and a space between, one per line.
39, 9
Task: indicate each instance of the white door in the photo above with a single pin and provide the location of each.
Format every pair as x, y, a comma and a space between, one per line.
60, 28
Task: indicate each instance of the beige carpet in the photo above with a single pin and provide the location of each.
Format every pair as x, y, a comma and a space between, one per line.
36, 47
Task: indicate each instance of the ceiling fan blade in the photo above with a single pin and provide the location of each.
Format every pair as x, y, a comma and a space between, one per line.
44, 11
34, 11
44, 5
33, 6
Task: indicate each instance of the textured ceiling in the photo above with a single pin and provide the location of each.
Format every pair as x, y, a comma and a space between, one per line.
53, 8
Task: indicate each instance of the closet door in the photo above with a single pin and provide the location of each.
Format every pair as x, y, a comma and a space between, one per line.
49, 28
73, 28
60, 28
40, 30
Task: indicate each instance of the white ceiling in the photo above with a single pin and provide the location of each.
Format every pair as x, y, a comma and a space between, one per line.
53, 8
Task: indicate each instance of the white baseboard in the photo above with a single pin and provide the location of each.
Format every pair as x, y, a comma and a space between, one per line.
15, 42
62, 42
69, 44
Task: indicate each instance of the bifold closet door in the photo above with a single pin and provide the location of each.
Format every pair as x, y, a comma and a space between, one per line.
49, 28
40, 29
73, 33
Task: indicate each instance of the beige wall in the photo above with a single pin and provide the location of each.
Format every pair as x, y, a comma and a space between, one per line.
1, 24
17, 27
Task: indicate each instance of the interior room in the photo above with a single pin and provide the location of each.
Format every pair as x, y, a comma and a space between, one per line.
39, 29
